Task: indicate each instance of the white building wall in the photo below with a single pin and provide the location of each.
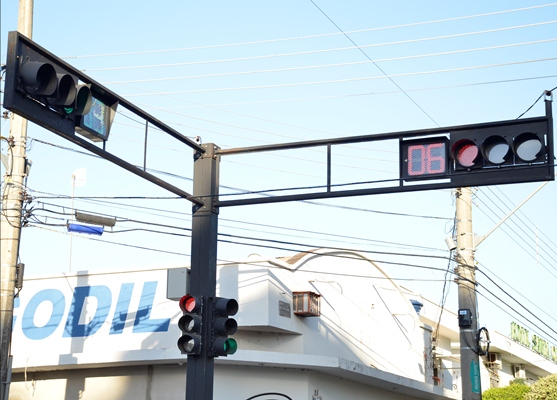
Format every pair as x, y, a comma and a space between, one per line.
164, 382
113, 336
364, 315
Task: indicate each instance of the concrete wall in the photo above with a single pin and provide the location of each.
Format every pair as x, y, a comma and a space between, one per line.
167, 382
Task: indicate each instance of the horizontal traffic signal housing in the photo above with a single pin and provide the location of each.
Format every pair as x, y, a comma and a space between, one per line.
190, 324
47, 91
510, 153
223, 325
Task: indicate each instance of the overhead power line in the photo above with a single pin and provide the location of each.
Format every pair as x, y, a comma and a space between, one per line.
297, 38
312, 52
335, 65
345, 80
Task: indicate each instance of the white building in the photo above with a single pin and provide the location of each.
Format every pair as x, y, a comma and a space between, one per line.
113, 336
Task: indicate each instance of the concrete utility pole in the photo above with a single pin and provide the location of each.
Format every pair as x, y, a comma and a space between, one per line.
467, 305
10, 219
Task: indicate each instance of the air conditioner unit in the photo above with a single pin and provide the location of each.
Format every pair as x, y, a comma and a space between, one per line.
519, 372
494, 360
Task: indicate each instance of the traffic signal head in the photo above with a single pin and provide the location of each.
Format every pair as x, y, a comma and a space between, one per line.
223, 325
48, 84
508, 153
45, 90
190, 324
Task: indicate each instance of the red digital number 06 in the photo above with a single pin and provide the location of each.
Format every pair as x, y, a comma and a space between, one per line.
426, 159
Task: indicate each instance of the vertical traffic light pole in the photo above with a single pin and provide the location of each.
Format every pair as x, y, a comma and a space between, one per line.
467, 305
10, 220
203, 276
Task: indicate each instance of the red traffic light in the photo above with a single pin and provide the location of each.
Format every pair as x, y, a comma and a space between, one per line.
465, 153
190, 324
496, 147
506, 152
190, 304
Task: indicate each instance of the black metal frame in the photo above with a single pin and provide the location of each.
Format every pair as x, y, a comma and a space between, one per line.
453, 179
18, 102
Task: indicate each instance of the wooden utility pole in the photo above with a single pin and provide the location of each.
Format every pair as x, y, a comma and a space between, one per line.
467, 305
10, 220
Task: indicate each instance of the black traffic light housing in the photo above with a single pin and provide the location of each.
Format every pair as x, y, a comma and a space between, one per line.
513, 152
222, 326
191, 324
49, 92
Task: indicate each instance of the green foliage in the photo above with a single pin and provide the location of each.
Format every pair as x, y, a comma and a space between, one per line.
515, 391
543, 389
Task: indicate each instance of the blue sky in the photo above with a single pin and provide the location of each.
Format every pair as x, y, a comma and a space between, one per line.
251, 73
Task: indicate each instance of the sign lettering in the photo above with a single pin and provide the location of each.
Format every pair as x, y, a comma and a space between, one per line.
46, 310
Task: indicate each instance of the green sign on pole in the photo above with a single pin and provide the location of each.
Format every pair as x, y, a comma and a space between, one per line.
475, 376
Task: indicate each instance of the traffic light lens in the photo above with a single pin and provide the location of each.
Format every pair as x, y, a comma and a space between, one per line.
528, 147
65, 93
226, 306
467, 154
38, 78
230, 346
188, 344
189, 323
189, 304
496, 150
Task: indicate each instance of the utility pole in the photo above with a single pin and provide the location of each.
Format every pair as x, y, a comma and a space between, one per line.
467, 304
10, 219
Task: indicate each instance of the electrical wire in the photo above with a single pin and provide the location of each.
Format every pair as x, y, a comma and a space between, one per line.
554, 338
345, 80
515, 300
335, 65
39, 226
531, 232
387, 262
538, 99
234, 239
298, 38
313, 52
514, 239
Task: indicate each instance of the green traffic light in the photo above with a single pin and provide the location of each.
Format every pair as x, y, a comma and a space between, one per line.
230, 346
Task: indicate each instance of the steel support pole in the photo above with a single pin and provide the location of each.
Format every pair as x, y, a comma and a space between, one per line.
466, 272
203, 276
10, 219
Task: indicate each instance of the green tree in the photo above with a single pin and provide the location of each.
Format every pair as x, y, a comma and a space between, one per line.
515, 391
543, 389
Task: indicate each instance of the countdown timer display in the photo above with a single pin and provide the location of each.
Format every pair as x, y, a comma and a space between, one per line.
424, 158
